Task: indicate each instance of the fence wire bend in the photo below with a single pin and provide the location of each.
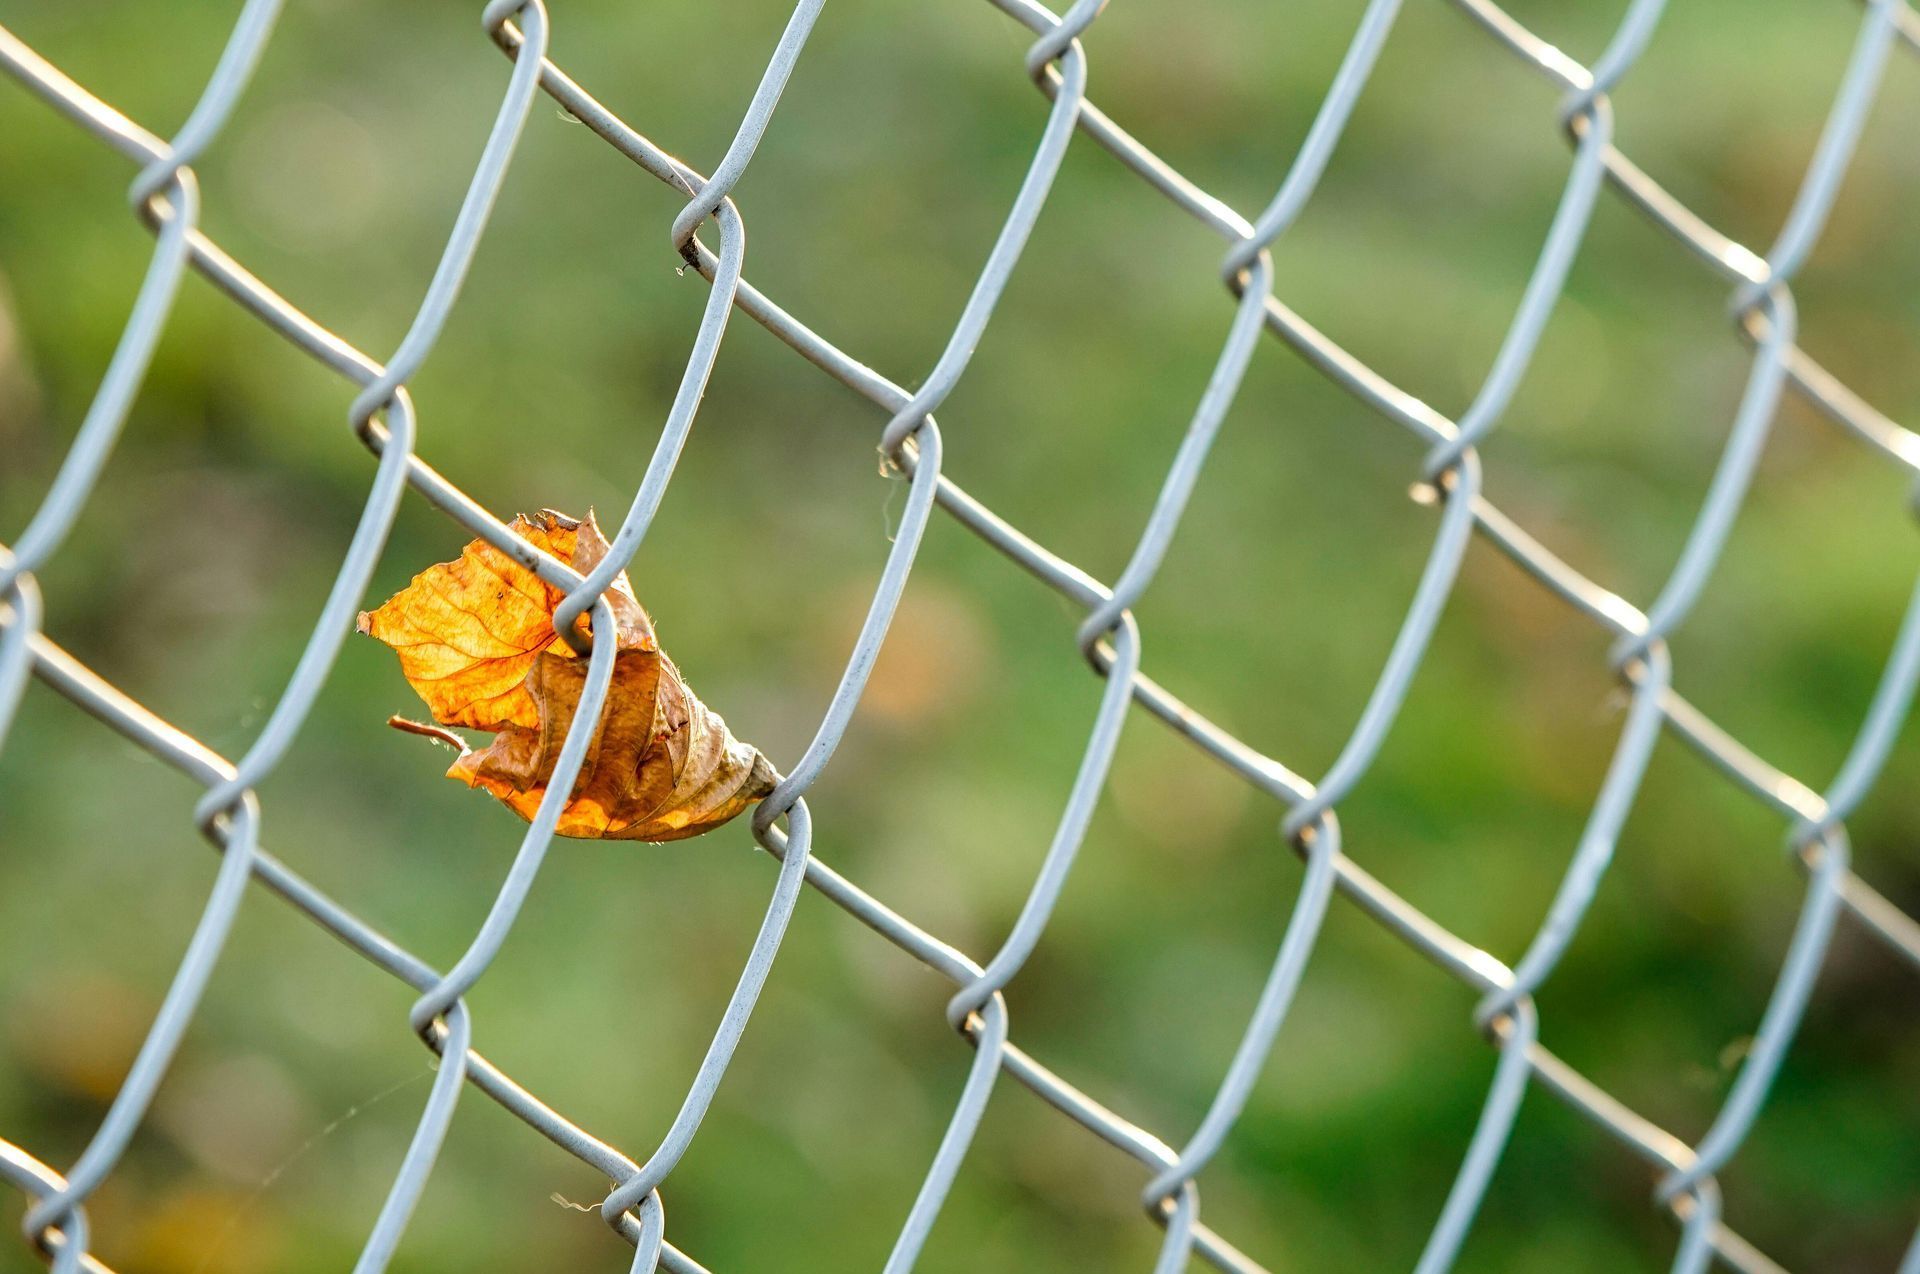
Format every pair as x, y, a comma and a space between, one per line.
382, 415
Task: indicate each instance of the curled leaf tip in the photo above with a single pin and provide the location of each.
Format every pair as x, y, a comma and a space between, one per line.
475, 639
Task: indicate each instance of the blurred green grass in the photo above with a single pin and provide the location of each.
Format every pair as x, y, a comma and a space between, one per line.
204, 553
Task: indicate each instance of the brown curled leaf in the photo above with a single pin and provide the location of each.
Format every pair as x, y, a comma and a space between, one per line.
475, 639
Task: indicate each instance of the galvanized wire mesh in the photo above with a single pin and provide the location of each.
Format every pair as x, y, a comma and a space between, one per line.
165, 197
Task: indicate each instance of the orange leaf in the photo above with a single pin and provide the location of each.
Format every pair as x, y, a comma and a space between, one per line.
475, 639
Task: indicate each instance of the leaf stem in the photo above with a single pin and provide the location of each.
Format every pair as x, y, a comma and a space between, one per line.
430, 731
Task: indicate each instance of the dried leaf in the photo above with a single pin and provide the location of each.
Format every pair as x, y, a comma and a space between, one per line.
475, 639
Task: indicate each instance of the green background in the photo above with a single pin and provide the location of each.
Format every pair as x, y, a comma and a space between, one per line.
199, 566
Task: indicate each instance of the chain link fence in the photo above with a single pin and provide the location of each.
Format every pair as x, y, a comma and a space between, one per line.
165, 197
